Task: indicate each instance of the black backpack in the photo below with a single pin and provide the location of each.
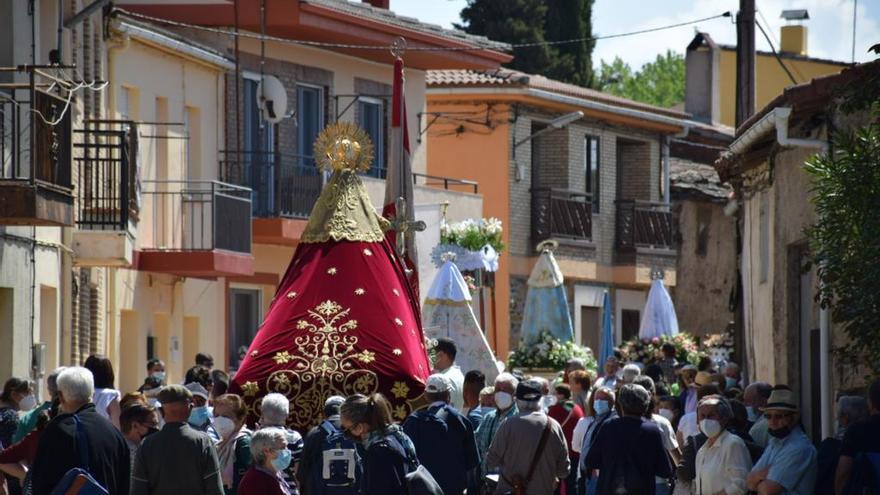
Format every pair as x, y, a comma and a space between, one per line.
339, 469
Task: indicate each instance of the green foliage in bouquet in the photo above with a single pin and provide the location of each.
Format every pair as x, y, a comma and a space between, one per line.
473, 234
649, 351
549, 352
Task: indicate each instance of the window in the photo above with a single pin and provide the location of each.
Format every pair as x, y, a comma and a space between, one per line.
629, 323
371, 117
244, 320
591, 169
309, 120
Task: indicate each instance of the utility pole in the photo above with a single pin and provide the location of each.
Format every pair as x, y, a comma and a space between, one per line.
745, 61
745, 108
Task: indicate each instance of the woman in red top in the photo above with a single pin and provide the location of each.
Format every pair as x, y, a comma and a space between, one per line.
567, 414
271, 457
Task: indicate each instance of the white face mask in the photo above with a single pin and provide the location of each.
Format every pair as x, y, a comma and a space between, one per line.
548, 401
29, 402
503, 400
710, 427
666, 413
224, 426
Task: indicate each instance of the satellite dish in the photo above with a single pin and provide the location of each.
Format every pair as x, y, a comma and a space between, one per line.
273, 99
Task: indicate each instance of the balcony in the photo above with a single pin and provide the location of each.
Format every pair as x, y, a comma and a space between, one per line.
285, 187
561, 214
105, 156
35, 172
196, 229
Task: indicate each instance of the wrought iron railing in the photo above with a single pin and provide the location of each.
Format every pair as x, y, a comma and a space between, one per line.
644, 224
561, 213
283, 185
196, 216
105, 154
35, 137
448, 183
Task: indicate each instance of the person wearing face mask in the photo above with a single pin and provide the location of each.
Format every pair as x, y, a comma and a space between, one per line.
388, 450
138, 421
18, 395
233, 450
178, 458
156, 371
273, 414
723, 462
271, 458
200, 416
788, 464
731, 375
28, 421
600, 410
505, 387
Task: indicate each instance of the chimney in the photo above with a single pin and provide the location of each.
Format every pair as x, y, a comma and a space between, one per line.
379, 4
793, 36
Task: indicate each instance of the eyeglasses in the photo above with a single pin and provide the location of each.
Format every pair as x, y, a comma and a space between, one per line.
773, 416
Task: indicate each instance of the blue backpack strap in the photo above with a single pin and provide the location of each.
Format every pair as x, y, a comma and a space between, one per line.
328, 427
82, 443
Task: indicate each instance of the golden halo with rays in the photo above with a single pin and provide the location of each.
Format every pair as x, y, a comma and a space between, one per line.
344, 146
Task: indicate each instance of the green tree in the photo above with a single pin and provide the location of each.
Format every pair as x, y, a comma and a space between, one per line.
537, 21
660, 82
845, 241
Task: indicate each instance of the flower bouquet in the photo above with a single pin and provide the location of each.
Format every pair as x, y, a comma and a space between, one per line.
476, 244
649, 351
549, 352
718, 346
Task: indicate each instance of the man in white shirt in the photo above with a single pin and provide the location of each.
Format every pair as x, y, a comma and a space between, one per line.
445, 365
609, 379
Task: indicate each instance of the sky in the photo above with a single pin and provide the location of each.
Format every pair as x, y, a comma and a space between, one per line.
829, 29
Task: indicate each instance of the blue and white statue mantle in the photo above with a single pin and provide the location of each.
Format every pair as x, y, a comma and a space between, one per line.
546, 302
447, 313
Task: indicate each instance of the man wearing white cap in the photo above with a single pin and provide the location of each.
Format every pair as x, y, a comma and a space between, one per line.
443, 438
200, 417
788, 465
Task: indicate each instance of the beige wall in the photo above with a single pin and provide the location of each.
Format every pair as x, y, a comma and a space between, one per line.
704, 279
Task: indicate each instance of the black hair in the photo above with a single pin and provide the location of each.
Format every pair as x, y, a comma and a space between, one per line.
647, 382
102, 371
331, 409
151, 382
668, 349
563, 389
221, 382
655, 372
200, 375
475, 376
447, 346
153, 362
14, 385
204, 359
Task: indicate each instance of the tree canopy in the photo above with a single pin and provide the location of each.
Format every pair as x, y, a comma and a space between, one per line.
660, 82
536, 21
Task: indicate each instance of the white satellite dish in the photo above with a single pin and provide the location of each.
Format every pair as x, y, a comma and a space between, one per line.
273, 99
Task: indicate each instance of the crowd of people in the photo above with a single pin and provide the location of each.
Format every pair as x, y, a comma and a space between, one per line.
666, 428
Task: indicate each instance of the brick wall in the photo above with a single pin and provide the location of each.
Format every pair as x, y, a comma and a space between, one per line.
518, 290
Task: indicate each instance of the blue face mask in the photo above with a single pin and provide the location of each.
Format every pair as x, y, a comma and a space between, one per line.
282, 462
159, 375
199, 416
729, 382
601, 406
752, 414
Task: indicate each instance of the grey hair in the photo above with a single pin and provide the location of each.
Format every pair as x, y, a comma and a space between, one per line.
721, 405
575, 364
528, 406
275, 409
854, 407
733, 365
52, 381
631, 371
266, 438
507, 378
633, 399
77, 384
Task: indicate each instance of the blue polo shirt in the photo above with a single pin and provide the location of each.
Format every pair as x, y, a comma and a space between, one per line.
792, 462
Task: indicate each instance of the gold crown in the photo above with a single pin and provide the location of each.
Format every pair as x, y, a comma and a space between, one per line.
344, 146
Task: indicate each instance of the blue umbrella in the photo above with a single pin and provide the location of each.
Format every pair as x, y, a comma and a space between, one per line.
607, 330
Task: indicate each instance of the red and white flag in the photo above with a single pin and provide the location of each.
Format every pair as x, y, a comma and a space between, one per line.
398, 179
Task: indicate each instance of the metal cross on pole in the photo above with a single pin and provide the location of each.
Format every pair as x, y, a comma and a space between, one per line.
402, 227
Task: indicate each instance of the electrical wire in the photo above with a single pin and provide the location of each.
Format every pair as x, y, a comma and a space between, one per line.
776, 54
320, 44
776, 41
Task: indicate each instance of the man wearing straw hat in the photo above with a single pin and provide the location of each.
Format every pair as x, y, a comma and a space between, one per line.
789, 463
